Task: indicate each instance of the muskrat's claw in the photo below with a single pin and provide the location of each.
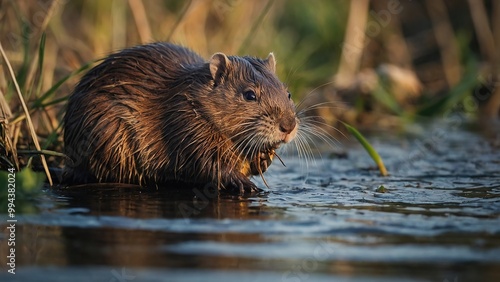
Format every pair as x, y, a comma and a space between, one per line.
261, 163
240, 184
252, 188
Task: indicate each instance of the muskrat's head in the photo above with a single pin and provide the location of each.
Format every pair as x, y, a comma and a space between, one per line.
249, 104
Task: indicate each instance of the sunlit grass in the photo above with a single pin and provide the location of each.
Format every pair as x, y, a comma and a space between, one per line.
368, 147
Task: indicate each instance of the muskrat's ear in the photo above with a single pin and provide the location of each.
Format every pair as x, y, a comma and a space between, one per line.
271, 62
219, 65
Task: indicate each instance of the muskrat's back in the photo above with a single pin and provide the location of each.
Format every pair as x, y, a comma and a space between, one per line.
150, 115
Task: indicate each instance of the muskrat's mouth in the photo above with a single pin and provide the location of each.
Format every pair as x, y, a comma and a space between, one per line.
270, 151
272, 147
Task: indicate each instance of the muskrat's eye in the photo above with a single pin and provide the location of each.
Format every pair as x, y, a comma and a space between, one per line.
289, 95
249, 95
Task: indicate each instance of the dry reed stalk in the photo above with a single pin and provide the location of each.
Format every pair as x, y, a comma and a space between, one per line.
141, 20
486, 39
43, 27
26, 112
5, 137
179, 20
445, 38
354, 43
482, 28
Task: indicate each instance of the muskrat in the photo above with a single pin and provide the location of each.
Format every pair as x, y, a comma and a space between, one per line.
159, 113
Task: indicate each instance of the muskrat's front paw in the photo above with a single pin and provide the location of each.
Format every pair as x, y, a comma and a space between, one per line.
240, 185
261, 163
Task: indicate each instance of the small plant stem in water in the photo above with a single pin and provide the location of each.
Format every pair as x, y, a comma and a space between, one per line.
368, 147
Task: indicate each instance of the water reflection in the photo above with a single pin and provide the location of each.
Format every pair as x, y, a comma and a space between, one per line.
92, 242
439, 220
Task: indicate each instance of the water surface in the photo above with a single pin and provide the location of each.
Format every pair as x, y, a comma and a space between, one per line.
439, 220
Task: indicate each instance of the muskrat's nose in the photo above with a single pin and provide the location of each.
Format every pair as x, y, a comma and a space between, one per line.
287, 125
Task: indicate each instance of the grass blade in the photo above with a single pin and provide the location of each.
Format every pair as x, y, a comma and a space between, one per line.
32, 69
28, 117
368, 147
385, 98
42, 152
38, 103
250, 36
41, 56
455, 95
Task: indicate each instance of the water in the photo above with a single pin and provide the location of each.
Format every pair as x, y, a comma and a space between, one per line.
438, 221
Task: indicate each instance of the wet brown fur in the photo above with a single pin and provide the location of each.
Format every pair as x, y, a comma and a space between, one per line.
155, 113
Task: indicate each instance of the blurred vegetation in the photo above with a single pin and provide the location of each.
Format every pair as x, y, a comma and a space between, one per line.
373, 64
28, 187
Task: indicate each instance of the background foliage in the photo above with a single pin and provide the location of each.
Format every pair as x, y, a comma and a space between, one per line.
371, 63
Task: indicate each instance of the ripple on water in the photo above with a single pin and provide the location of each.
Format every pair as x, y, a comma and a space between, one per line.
439, 216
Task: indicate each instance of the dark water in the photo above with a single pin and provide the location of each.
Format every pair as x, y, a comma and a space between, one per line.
325, 221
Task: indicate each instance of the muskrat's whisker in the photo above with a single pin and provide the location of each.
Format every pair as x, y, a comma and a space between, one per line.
263, 179
251, 144
244, 146
308, 141
315, 127
312, 143
303, 148
257, 145
240, 133
305, 139
238, 147
320, 134
319, 121
308, 95
323, 105
309, 132
279, 158
238, 126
